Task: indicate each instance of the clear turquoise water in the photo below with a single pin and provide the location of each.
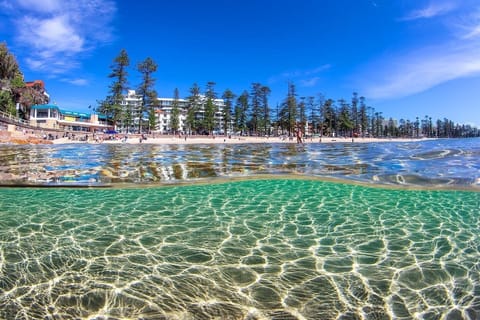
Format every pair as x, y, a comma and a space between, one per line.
252, 249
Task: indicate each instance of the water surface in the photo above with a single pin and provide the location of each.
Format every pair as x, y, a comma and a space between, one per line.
437, 163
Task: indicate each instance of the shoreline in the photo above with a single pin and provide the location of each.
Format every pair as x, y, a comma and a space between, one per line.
41, 137
191, 140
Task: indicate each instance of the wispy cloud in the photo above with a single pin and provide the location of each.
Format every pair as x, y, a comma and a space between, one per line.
474, 32
76, 82
434, 9
423, 70
59, 33
305, 78
41, 6
308, 83
423, 67
468, 25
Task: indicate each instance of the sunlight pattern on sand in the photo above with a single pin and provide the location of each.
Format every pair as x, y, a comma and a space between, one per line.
256, 249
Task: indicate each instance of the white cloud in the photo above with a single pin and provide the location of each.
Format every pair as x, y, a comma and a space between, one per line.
76, 82
474, 32
6, 5
420, 68
303, 77
468, 25
51, 36
318, 69
41, 6
311, 82
434, 9
424, 69
57, 34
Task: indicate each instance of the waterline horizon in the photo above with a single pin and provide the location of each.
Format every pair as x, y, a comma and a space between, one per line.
435, 163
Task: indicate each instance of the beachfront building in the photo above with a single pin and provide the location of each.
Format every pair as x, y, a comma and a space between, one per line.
50, 116
163, 115
218, 117
132, 108
132, 104
165, 108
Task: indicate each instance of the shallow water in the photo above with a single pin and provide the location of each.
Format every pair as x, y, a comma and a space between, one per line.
253, 249
174, 236
447, 163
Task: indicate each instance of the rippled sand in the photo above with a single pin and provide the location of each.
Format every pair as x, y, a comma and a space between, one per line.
256, 249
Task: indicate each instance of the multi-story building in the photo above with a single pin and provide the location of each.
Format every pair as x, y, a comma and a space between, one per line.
50, 116
132, 103
163, 114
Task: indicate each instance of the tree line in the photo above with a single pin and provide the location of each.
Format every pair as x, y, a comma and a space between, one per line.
16, 97
248, 113
354, 118
112, 105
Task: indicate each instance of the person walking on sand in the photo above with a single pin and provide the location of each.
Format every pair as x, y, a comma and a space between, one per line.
299, 136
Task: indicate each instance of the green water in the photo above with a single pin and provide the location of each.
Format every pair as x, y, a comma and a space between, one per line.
254, 249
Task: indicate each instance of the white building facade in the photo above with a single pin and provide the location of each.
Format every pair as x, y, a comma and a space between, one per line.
132, 104
164, 115
50, 116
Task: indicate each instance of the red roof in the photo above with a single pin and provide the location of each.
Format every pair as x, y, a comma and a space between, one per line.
35, 83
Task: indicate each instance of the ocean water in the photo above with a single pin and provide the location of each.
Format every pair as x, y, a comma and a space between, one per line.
435, 163
398, 239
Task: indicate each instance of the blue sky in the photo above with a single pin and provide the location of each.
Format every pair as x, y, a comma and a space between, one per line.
408, 58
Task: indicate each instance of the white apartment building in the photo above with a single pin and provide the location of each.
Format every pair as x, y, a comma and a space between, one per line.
164, 114
132, 103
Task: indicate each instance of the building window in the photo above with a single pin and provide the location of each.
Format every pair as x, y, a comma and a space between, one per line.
42, 113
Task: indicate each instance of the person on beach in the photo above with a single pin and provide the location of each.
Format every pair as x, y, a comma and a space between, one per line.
299, 136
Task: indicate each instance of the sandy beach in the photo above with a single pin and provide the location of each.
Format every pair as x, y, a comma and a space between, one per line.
135, 139
42, 137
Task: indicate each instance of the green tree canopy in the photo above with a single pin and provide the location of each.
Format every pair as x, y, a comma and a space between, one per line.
112, 105
193, 107
9, 68
228, 97
175, 115
146, 88
210, 108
